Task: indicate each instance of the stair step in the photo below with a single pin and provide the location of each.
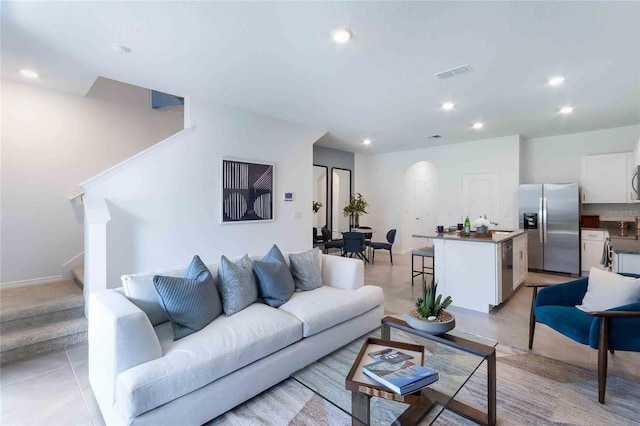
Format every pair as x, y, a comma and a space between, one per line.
31, 301
37, 320
78, 275
42, 347
40, 318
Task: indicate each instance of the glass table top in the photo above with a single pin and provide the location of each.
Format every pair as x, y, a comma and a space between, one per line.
326, 377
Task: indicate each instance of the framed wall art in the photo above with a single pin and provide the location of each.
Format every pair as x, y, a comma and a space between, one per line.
247, 191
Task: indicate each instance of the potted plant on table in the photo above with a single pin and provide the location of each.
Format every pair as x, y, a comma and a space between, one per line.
430, 313
481, 224
356, 207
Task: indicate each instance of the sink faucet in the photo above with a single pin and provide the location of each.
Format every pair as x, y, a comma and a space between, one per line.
494, 223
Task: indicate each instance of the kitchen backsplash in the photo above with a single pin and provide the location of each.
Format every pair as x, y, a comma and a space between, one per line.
612, 212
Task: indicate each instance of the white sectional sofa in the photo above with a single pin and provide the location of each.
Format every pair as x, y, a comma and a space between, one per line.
140, 375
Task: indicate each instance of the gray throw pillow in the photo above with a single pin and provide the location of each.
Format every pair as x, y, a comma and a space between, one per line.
274, 278
238, 286
306, 270
191, 302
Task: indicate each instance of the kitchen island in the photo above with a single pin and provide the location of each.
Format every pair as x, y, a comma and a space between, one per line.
479, 271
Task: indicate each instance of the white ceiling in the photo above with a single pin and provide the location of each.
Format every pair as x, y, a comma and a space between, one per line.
277, 58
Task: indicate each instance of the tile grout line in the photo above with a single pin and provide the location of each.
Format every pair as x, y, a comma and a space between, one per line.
75, 377
35, 375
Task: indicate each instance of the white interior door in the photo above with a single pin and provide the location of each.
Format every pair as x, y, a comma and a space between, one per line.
424, 204
481, 196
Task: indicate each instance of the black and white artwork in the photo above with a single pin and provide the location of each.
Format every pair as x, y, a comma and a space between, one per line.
247, 191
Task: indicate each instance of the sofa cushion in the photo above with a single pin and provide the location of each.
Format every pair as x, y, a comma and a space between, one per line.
325, 307
274, 277
223, 346
238, 287
140, 290
306, 269
191, 302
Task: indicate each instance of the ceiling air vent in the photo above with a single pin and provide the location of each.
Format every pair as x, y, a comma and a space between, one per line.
453, 72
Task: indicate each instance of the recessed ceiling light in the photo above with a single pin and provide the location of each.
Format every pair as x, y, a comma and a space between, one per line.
118, 48
478, 125
29, 74
566, 110
448, 106
366, 141
341, 35
556, 81
434, 137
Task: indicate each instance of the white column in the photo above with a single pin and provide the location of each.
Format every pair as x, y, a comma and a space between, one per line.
97, 216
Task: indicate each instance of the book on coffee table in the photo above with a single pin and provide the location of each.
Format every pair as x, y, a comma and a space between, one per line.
401, 377
390, 355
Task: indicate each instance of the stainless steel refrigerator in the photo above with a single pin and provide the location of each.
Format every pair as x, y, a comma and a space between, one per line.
550, 215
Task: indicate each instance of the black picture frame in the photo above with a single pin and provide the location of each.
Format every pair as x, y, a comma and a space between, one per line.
247, 190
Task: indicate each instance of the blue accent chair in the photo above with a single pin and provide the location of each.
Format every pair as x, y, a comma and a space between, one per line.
391, 237
614, 329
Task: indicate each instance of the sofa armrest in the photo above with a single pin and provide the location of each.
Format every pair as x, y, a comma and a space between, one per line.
120, 337
342, 272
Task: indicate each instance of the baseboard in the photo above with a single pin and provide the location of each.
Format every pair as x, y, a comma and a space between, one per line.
32, 281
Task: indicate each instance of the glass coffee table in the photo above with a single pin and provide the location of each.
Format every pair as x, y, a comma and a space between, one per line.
455, 355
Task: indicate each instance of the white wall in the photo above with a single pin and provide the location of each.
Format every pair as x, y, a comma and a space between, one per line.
383, 181
556, 159
166, 207
50, 142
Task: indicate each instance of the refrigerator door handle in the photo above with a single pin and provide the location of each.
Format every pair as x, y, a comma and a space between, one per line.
540, 219
544, 218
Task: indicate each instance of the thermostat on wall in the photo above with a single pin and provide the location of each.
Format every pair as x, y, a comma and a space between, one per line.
288, 196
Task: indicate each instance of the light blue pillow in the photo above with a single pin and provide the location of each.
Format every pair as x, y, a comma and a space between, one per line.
238, 286
306, 270
191, 302
274, 278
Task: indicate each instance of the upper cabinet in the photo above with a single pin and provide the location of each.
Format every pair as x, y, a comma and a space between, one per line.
606, 178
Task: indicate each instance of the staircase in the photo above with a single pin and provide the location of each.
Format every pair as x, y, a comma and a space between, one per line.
40, 318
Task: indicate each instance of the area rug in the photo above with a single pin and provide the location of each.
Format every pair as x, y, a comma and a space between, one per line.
531, 390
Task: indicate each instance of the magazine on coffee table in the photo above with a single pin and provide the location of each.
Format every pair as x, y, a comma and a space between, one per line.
401, 377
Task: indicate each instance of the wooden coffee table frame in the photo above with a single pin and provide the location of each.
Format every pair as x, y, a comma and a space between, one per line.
360, 402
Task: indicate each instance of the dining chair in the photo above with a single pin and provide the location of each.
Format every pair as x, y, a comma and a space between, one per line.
329, 243
391, 237
354, 245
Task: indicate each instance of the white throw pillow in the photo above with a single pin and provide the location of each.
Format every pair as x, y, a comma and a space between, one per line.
607, 290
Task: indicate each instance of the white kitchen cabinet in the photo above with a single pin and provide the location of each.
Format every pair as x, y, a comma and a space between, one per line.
605, 178
520, 259
592, 248
626, 262
632, 167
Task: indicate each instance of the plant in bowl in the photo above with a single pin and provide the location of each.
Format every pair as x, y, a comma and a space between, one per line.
356, 207
481, 224
430, 313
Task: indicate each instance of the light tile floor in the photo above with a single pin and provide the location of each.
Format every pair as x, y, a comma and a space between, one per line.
53, 388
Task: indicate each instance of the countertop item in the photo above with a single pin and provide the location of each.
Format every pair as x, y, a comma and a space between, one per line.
629, 244
493, 236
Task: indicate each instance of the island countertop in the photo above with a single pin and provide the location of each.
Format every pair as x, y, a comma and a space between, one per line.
490, 237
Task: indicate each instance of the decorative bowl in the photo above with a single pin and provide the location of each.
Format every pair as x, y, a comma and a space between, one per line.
430, 327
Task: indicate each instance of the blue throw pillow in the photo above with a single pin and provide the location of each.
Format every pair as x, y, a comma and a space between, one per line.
192, 301
238, 286
274, 278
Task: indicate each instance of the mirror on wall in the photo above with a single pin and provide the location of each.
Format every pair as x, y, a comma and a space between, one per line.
320, 195
340, 195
